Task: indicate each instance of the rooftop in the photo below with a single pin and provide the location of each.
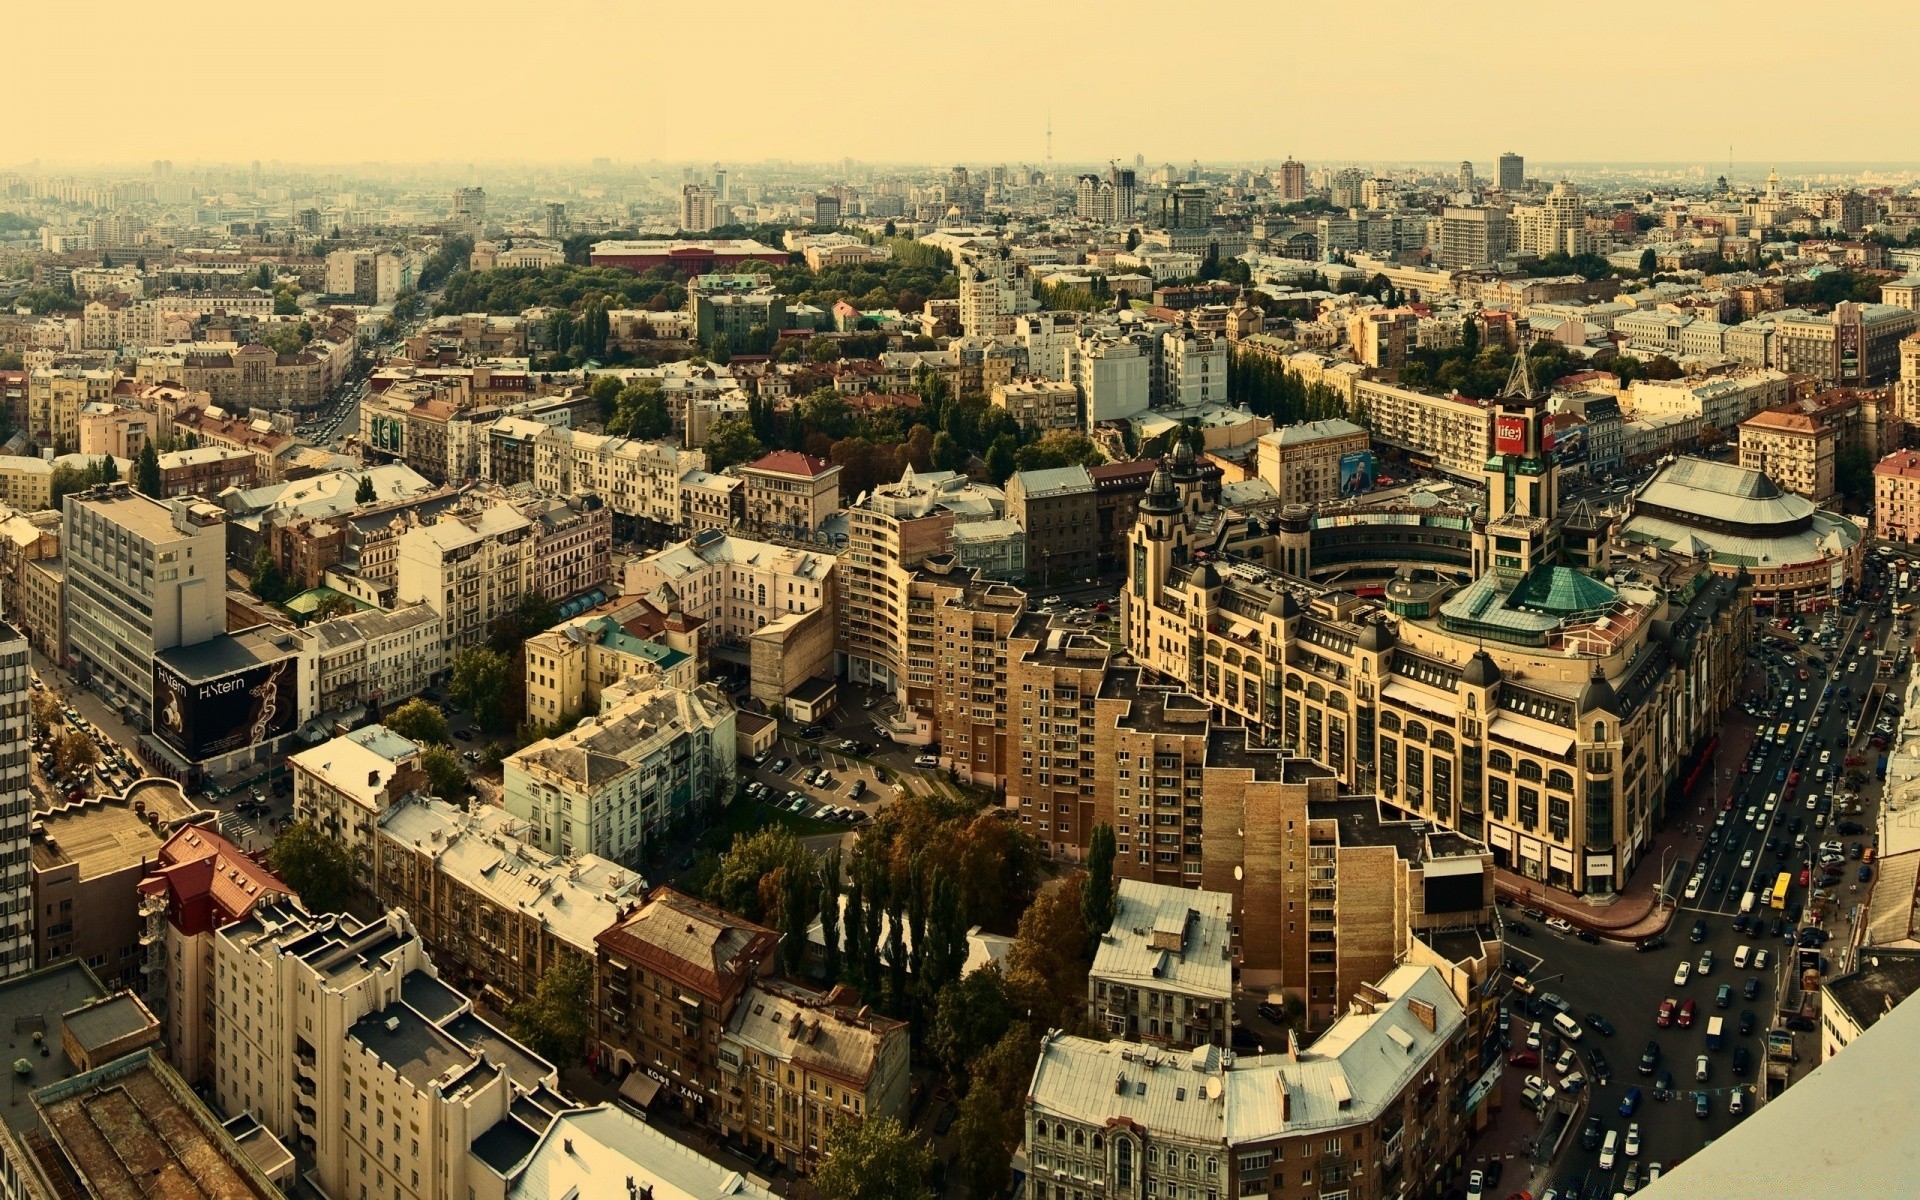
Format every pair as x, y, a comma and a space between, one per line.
1174, 938
1057, 481
1880, 982
586, 1151
229, 653
102, 835
358, 764
704, 948
785, 1021
792, 462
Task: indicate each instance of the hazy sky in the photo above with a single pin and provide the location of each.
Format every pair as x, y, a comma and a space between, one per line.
742, 80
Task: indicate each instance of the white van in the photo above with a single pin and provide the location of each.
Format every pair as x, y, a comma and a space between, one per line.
1568, 1027
1609, 1149
1741, 955
1746, 903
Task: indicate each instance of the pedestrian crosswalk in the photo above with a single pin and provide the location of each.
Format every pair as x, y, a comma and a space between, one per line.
237, 829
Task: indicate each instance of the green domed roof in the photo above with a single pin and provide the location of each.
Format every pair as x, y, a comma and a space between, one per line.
1561, 590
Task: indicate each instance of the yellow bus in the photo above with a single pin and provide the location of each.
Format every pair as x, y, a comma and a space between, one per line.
1780, 887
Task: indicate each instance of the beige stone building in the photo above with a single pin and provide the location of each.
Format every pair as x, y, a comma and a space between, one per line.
108, 428
56, 397
796, 1064
496, 913
786, 488
571, 665
1454, 436
1163, 971
1039, 403
1795, 450
1896, 497
343, 785
470, 567
1054, 674
1301, 463
1537, 709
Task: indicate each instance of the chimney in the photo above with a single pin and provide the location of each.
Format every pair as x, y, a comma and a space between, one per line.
1286, 1101
1293, 1046
1423, 1013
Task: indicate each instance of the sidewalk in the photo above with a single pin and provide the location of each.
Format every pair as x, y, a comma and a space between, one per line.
1634, 912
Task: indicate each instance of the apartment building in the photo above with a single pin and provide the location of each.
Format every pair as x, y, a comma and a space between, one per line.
57, 396
709, 501
142, 575
638, 480
496, 913
1547, 780
577, 1149
107, 428
206, 471
1053, 674
195, 884
966, 639
669, 977
1896, 497
19, 927
316, 1013
796, 1064
610, 785
1060, 513
377, 655
1450, 434
1039, 403
1381, 337
787, 489
1303, 463
736, 585
570, 666
343, 785
572, 550
470, 567
1855, 345
1355, 1112
25, 538
1472, 236
1163, 971
43, 595
1794, 449
1193, 369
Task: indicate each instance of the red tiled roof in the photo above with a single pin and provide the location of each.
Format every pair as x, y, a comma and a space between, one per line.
708, 950
792, 462
207, 880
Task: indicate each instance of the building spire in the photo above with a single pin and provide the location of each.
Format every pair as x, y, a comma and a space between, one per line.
1520, 379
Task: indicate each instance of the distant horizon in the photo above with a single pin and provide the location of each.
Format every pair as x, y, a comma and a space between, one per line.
1011, 83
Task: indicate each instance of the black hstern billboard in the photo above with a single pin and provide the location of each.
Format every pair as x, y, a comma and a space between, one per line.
209, 718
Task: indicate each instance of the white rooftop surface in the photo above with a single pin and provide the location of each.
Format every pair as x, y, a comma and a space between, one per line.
1168, 938
592, 1152
357, 764
1846, 1129
332, 493
575, 897
1210, 1096
686, 559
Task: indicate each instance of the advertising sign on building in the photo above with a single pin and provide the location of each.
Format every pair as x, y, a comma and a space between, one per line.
1356, 473
1510, 435
208, 718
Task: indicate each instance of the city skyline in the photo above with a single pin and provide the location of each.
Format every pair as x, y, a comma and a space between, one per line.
1316, 85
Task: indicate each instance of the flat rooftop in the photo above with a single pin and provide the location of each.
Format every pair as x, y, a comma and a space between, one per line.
228, 653
133, 1131
32, 1004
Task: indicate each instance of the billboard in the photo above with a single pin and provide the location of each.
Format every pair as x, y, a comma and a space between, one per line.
1510, 435
206, 718
1356, 473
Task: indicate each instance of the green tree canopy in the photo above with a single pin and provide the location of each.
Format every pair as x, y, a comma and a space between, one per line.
557, 1020
146, 471
749, 877
1096, 899
420, 722
1048, 962
480, 681
284, 339
877, 1159
731, 441
446, 778
267, 581
969, 1015
318, 868
364, 493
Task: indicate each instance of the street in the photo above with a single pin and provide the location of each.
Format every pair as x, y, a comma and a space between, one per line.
1760, 813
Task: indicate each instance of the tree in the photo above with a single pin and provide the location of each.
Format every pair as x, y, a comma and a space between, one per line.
267, 582
74, 751
640, 411
318, 868
284, 339
753, 859
480, 681
1096, 899
730, 441
799, 902
830, 894
420, 722
339, 604
877, 1159
364, 494
991, 1119
109, 468
1047, 964
1853, 476
446, 778
557, 1020
605, 391
146, 471
969, 1015
1648, 262
45, 708
1001, 463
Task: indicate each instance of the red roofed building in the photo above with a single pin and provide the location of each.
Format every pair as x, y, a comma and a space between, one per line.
787, 488
683, 257
1896, 496
670, 974
198, 883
